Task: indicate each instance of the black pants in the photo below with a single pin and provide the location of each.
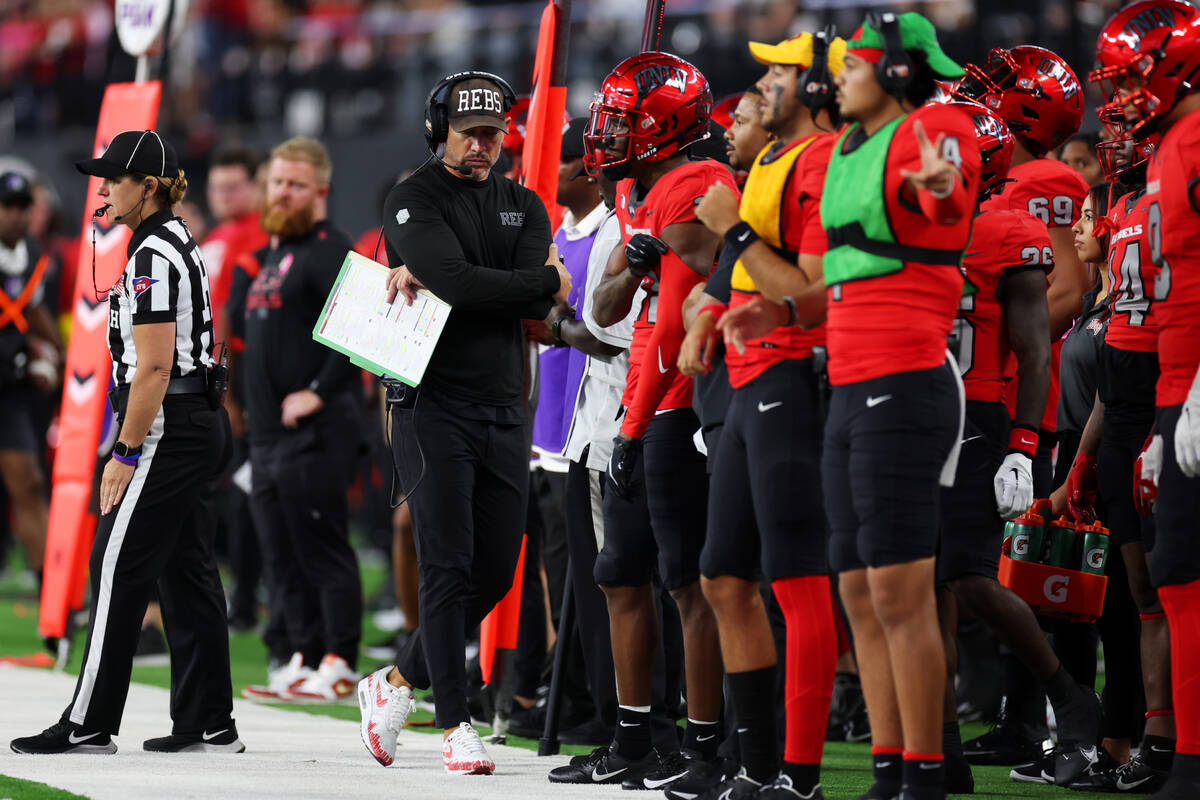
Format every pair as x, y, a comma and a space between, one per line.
158, 544
298, 500
468, 516
585, 532
245, 560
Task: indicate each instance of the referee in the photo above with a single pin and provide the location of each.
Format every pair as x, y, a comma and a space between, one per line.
482, 243
155, 534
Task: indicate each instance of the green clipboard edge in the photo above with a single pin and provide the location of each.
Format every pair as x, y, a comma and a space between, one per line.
355, 359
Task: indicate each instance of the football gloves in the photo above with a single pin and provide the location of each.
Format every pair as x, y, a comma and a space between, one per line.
1081, 488
1187, 432
1146, 470
622, 466
644, 254
1014, 485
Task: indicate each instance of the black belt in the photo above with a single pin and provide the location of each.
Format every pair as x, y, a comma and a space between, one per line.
191, 384
854, 236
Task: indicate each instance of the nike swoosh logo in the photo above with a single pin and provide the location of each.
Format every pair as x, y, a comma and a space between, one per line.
972, 438
379, 698
661, 368
81, 739
884, 764
744, 236
1122, 786
599, 776
874, 401
663, 782
625, 724
742, 730
706, 738
971, 255
208, 737
929, 766
768, 406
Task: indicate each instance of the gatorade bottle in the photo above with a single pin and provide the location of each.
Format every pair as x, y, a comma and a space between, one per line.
1027, 534
1041, 508
1094, 548
1060, 544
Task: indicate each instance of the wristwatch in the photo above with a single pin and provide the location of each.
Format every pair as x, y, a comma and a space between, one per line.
556, 328
125, 451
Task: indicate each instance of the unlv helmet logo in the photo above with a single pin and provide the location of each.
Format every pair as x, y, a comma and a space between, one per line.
1068, 82
656, 75
1145, 21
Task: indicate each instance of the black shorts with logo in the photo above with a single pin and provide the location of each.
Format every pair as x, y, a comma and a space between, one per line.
674, 494
765, 510
972, 530
1176, 557
886, 442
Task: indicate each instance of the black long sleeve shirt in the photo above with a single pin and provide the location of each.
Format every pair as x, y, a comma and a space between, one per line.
281, 307
480, 246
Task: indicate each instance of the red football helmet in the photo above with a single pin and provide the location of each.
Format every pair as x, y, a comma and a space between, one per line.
518, 118
722, 112
1148, 57
995, 142
656, 102
1121, 154
1033, 90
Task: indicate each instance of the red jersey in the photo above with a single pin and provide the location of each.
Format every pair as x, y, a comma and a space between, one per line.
658, 332
1052, 192
1173, 221
784, 208
1131, 326
898, 322
1000, 241
223, 246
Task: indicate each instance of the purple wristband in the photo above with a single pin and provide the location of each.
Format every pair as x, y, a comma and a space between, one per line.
129, 461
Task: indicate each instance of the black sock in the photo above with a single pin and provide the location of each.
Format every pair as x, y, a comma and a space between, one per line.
1061, 688
702, 738
1158, 752
633, 733
923, 779
952, 741
753, 694
805, 777
887, 768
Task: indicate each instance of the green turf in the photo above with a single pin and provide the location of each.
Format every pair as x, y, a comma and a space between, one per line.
845, 768
17, 789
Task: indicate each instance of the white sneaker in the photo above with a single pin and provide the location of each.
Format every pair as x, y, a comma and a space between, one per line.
463, 753
333, 681
384, 709
281, 681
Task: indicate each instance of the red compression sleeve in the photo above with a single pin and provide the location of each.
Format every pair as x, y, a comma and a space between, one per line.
807, 606
1182, 604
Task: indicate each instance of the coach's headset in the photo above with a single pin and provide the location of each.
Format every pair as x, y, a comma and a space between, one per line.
814, 86
437, 116
894, 71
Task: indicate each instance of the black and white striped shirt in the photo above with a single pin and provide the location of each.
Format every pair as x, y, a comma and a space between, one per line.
164, 281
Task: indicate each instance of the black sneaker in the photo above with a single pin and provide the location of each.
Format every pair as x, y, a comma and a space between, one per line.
1038, 771
739, 787
957, 777
1074, 762
783, 789
847, 696
698, 783
64, 737
222, 740
1136, 776
673, 768
858, 729
604, 765
1078, 732
1003, 745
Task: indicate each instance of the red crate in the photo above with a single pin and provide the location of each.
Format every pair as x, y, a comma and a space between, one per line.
1052, 591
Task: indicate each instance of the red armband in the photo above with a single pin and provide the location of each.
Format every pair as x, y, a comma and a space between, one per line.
1023, 440
718, 309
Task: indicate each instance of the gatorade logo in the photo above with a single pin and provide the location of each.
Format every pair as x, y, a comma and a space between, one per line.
1094, 558
1020, 544
1055, 588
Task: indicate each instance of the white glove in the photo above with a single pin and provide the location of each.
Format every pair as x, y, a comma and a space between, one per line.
1014, 485
1187, 436
1146, 470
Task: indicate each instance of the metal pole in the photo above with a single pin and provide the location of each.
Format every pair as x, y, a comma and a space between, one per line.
652, 27
548, 744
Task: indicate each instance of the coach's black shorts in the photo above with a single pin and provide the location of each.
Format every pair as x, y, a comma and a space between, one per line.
1176, 557
765, 511
16, 411
971, 529
886, 442
674, 494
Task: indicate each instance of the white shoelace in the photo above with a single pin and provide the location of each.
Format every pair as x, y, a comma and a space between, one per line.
467, 744
402, 706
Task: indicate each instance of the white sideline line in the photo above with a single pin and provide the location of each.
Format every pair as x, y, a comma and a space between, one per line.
288, 754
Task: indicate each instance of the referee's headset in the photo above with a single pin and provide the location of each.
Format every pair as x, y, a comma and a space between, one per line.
894, 71
147, 188
437, 115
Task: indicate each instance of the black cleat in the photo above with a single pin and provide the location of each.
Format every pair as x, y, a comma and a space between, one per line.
1038, 771
739, 787
1003, 745
222, 740
957, 777
604, 765
64, 737
1078, 732
783, 789
675, 767
698, 783
1136, 776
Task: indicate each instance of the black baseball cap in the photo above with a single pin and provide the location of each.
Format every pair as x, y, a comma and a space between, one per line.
144, 152
572, 139
15, 190
476, 103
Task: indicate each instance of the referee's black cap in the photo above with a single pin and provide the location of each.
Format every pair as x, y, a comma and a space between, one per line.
143, 152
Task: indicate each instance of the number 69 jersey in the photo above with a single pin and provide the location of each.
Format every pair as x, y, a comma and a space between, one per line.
1131, 326
1001, 242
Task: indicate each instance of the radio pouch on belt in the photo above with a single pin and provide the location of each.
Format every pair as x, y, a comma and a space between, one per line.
218, 378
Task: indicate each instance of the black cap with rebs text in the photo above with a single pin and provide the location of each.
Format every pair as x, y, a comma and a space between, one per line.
144, 152
476, 103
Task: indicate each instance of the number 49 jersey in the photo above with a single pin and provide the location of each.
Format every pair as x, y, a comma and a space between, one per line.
1131, 326
1001, 242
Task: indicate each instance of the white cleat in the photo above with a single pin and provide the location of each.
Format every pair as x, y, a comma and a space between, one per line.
281, 681
332, 682
463, 753
384, 709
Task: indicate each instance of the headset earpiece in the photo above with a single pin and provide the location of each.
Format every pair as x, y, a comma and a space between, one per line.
437, 118
894, 71
814, 85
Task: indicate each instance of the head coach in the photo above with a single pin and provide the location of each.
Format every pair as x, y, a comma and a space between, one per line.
482, 243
